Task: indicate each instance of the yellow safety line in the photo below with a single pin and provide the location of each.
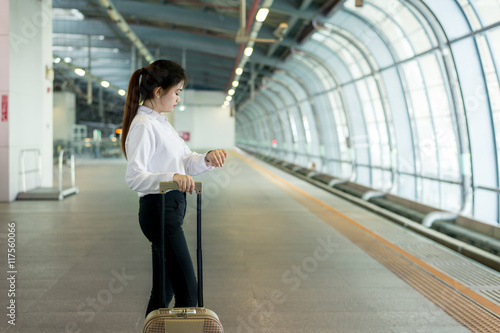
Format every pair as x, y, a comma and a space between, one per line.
445, 278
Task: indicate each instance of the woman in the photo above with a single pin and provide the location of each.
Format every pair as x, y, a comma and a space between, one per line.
156, 153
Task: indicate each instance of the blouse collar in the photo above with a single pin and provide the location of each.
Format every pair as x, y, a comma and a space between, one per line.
152, 113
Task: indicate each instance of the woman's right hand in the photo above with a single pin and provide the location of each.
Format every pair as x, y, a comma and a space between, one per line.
185, 182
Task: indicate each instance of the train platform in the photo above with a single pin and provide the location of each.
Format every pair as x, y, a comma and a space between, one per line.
280, 255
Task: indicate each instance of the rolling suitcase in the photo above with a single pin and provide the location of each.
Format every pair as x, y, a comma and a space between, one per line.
183, 320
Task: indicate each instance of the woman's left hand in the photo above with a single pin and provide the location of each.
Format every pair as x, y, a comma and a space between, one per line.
217, 157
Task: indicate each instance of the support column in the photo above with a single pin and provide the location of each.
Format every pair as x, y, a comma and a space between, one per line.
26, 77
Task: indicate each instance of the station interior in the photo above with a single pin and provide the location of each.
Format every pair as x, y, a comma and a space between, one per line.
361, 188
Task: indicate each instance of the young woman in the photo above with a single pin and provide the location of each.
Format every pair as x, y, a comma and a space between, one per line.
156, 153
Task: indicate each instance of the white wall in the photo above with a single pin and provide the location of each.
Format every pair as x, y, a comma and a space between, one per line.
64, 114
210, 125
4, 91
27, 53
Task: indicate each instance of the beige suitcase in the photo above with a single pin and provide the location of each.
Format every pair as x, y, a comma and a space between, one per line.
184, 320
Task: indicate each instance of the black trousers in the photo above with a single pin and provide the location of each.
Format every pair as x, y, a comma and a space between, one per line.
180, 277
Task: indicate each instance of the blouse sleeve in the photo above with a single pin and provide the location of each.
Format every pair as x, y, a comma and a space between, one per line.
194, 163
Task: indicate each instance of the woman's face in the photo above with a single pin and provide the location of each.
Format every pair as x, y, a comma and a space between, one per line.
169, 100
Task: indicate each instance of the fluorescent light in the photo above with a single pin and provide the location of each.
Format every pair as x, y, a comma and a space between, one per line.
235, 83
77, 14
105, 84
248, 51
239, 71
230, 92
56, 35
67, 14
122, 92
79, 71
62, 48
229, 98
262, 14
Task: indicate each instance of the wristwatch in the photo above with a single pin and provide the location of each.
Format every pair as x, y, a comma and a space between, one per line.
207, 161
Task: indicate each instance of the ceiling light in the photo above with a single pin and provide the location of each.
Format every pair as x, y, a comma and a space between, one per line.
248, 51
226, 103
182, 108
235, 83
67, 59
62, 48
230, 92
122, 92
56, 35
105, 84
67, 14
229, 98
57, 60
262, 14
79, 71
239, 71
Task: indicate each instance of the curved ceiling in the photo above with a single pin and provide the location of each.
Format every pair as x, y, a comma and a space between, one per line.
198, 34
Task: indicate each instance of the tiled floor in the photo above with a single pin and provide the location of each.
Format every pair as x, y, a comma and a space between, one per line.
271, 265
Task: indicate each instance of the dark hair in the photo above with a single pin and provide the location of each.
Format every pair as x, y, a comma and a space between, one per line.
161, 73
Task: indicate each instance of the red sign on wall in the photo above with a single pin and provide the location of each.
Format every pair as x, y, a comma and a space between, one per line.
185, 135
5, 107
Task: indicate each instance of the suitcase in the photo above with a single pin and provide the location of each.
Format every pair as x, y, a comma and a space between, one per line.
183, 320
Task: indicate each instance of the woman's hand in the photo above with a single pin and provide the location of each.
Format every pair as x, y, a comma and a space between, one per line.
216, 157
185, 182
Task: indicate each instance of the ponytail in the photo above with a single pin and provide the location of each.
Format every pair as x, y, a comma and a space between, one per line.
161, 73
131, 106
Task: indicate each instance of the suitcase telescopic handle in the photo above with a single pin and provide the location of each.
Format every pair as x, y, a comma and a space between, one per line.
164, 187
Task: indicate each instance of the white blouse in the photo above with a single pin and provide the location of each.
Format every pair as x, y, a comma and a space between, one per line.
155, 152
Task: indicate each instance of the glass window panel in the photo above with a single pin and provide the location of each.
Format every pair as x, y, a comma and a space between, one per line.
451, 197
430, 190
326, 80
494, 91
341, 123
375, 153
294, 128
342, 52
439, 101
403, 27
431, 70
306, 129
373, 133
420, 41
484, 51
470, 14
413, 75
420, 104
378, 179
406, 182
489, 11
449, 163
492, 79
494, 41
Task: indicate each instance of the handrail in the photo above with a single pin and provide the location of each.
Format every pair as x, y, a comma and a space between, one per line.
23, 166
72, 169
39, 169
60, 167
